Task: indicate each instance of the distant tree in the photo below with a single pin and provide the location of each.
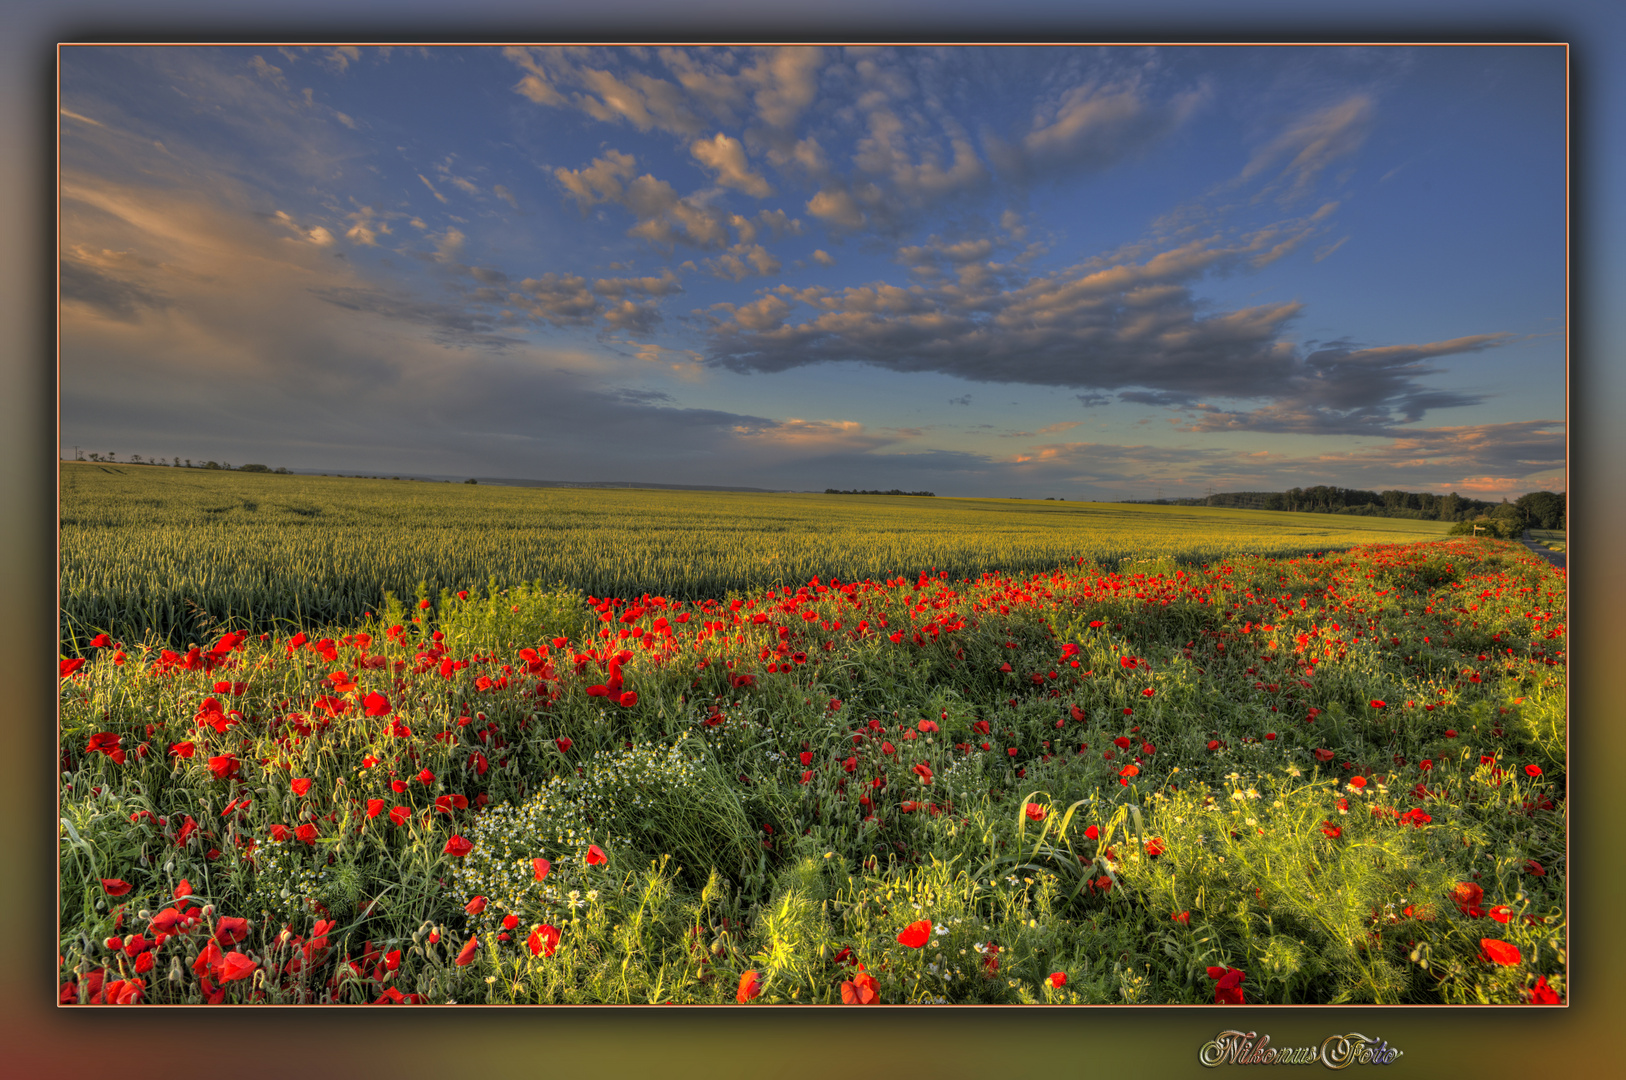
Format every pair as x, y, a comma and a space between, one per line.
280, 471
1542, 509
471, 481
211, 464
1509, 520
254, 468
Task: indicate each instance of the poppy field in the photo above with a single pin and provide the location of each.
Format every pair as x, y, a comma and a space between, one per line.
1335, 777
180, 552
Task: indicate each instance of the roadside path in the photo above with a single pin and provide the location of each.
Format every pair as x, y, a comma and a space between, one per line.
1554, 557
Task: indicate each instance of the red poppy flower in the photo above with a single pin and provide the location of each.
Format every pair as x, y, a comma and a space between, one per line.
233, 966
1213, 744
68, 667
922, 770
1227, 985
1331, 831
1034, 811
279, 832
1450, 733
563, 744
1376, 704
750, 987
184, 889
400, 815
1357, 782
375, 807
306, 834
115, 887
426, 777
1467, 895
1092, 833
1057, 979
1501, 913
916, 934
596, 856
1154, 846
1542, 994
224, 766
1532, 770
1148, 692
1129, 770
629, 699
465, 955
861, 989
1499, 951
182, 749
376, 704
457, 847
300, 786
543, 940
1183, 918
475, 906
1324, 755
230, 929
1531, 866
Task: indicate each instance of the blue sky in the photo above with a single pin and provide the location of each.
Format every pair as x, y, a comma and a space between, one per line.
1094, 273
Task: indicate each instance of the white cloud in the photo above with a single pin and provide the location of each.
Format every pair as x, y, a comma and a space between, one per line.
726, 158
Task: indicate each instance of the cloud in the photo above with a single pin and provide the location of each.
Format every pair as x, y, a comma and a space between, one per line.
559, 299
316, 234
1130, 326
431, 187
600, 182
1088, 128
448, 324
633, 317
664, 284
742, 261
726, 158
837, 207
1343, 390
111, 282
1300, 154
505, 195
663, 218
620, 85
823, 258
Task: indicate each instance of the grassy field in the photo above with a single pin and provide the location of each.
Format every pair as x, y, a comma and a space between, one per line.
181, 552
1134, 770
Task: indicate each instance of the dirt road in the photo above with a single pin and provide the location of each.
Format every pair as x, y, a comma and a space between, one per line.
1554, 557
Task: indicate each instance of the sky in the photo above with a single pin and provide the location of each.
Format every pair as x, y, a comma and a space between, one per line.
1079, 272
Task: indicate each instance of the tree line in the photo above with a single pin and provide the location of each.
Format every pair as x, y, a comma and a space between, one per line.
894, 491
176, 463
1536, 510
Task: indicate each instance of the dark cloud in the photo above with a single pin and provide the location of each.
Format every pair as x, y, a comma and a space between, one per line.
1130, 324
449, 325
114, 296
